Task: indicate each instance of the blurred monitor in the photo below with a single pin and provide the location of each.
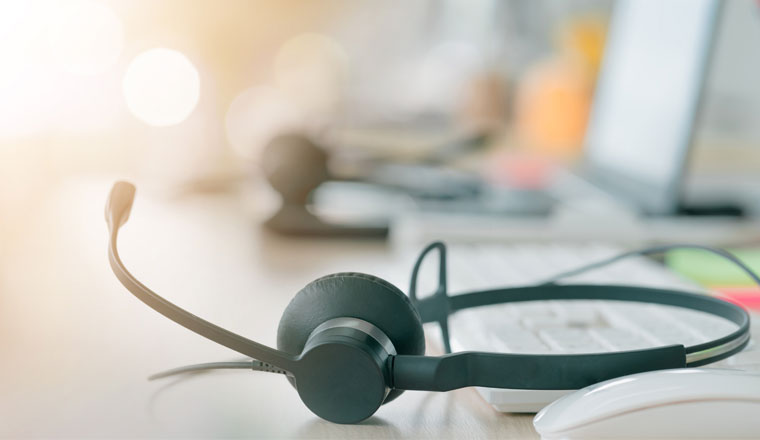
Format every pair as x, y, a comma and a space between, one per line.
647, 97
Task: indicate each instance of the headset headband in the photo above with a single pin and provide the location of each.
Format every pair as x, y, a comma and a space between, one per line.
560, 371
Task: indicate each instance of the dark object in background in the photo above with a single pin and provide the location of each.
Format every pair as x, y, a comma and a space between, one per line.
712, 209
295, 166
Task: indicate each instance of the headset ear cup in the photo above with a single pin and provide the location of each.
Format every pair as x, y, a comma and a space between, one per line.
354, 295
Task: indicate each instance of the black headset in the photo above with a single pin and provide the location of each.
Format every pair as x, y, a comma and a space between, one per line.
350, 342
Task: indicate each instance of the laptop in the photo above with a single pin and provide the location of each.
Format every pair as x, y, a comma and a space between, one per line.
645, 105
647, 99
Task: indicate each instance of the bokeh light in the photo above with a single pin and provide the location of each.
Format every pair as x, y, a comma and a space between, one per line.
86, 38
161, 87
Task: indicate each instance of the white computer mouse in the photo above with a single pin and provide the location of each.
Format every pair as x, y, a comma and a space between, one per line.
679, 403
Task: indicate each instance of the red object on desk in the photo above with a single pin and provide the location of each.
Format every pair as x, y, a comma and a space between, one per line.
520, 170
748, 297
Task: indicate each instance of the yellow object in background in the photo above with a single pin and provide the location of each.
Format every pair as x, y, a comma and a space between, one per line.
583, 38
552, 107
554, 96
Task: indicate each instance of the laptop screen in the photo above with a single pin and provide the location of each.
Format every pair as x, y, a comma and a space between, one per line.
647, 97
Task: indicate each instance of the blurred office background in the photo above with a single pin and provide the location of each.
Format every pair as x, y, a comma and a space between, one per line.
184, 95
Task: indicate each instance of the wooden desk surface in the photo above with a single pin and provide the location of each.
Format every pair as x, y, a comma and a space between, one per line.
76, 347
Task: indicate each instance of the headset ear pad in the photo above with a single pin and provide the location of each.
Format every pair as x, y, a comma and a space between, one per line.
353, 295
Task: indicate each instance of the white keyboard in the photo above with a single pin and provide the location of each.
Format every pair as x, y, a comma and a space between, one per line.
582, 327
568, 326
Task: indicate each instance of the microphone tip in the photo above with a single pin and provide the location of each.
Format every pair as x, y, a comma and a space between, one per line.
119, 203
122, 187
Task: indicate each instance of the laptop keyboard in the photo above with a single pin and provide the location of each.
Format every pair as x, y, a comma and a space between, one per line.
568, 326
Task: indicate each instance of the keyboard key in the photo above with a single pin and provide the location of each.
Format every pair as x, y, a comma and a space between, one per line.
540, 322
616, 339
578, 313
745, 360
533, 309
571, 340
